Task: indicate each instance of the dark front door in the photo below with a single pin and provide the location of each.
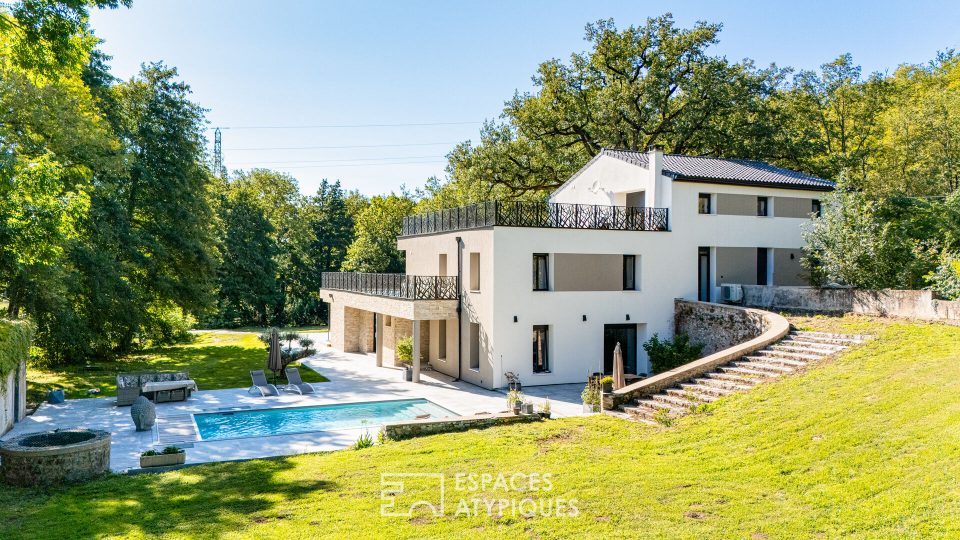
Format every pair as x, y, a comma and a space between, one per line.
703, 274
626, 336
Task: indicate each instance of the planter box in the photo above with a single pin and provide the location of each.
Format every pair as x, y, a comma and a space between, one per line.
163, 460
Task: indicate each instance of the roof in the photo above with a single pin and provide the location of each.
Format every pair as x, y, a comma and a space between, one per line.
724, 171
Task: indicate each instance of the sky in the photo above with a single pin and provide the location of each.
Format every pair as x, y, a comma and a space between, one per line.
375, 94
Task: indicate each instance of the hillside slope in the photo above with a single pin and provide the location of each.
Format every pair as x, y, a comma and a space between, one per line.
865, 445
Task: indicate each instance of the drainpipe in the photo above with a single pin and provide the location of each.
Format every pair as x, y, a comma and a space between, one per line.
459, 307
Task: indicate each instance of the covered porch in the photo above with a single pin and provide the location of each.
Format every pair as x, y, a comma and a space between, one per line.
370, 313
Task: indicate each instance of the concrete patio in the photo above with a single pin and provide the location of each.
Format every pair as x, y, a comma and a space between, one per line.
353, 378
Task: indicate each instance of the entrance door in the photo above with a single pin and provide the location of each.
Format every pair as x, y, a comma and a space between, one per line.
703, 274
626, 336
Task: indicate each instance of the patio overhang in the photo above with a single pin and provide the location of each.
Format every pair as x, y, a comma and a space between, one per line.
419, 310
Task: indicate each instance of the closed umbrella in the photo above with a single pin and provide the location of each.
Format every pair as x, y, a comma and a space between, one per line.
619, 381
274, 361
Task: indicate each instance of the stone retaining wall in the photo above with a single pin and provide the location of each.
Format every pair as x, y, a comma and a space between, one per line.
881, 303
397, 431
699, 318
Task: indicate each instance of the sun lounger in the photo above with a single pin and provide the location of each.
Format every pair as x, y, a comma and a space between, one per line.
261, 385
296, 384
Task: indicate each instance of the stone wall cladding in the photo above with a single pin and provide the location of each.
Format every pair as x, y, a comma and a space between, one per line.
43, 466
716, 326
774, 328
880, 303
397, 431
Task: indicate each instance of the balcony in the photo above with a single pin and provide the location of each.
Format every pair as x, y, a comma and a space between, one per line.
400, 286
536, 214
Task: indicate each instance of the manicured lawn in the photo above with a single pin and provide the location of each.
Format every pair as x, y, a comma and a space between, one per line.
863, 446
215, 360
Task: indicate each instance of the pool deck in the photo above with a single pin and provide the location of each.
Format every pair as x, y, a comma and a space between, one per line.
353, 378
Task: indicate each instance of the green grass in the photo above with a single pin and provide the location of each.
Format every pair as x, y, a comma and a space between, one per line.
215, 360
862, 446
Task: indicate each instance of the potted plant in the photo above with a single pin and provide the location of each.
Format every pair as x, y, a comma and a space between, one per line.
606, 384
513, 381
170, 455
404, 351
591, 396
515, 400
545, 408
527, 407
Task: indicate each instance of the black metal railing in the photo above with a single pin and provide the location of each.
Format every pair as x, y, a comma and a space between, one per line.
393, 285
537, 214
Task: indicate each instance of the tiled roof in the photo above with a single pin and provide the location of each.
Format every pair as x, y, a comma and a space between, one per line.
726, 171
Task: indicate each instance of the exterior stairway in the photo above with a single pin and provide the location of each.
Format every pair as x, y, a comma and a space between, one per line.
786, 356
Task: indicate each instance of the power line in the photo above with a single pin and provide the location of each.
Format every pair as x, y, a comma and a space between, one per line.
340, 147
363, 165
338, 160
339, 126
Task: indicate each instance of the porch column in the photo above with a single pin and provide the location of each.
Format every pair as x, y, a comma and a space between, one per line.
378, 317
416, 351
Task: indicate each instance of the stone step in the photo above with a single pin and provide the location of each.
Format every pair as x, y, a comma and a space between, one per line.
835, 339
654, 404
856, 337
746, 371
679, 401
704, 390
777, 360
730, 378
699, 396
724, 385
762, 365
640, 413
808, 346
789, 354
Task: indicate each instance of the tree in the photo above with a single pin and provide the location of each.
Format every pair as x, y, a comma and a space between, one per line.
374, 248
642, 86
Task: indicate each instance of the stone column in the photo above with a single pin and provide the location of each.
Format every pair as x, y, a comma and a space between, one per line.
379, 322
416, 350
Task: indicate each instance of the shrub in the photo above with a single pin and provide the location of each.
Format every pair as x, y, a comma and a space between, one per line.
514, 396
172, 450
405, 349
606, 380
666, 354
945, 280
15, 339
365, 440
591, 393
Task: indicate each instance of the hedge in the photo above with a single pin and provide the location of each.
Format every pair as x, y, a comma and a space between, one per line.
15, 339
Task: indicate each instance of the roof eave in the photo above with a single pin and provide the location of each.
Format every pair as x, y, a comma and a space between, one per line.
751, 183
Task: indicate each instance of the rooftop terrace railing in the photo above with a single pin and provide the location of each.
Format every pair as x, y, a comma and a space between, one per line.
393, 285
536, 214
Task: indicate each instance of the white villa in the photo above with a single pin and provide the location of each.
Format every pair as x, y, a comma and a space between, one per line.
546, 290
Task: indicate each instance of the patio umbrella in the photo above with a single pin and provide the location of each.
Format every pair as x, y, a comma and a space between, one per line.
618, 378
274, 361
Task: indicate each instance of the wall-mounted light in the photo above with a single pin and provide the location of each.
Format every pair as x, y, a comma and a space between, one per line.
628, 316
791, 256
584, 318
514, 318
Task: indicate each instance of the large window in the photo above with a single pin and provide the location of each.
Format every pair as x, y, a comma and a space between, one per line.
541, 358
703, 204
442, 339
474, 346
629, 272
541, 272
763, 206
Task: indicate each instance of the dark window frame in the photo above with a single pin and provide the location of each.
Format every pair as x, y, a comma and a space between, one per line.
545, 285
763, 206
763, 266
709, 207
816, 207
544, 331
630, 272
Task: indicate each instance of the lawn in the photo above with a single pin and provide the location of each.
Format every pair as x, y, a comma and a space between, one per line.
862, 446
215, 360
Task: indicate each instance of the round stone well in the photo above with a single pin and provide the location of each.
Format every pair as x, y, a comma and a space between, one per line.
55, 457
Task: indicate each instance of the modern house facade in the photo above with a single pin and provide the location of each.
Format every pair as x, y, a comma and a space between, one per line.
547, 290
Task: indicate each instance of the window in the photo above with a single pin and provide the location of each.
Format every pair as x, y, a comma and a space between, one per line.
629, 272
387, 320
442, 264
474, 271
703, 204
763, 206
442, 339
541, 272
815, 207
541, 360
762, 266
474, 346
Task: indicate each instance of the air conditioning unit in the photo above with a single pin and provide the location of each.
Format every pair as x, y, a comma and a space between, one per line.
731, 293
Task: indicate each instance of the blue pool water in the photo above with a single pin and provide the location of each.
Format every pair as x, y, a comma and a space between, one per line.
263, 422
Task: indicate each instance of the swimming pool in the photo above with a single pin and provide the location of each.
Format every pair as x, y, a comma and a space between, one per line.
281, 421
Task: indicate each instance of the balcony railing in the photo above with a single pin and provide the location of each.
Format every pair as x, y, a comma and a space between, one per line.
537, 214
393, 285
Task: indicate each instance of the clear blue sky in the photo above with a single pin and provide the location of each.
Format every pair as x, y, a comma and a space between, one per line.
295, 63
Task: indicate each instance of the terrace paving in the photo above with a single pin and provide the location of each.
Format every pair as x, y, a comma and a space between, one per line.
353, 378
